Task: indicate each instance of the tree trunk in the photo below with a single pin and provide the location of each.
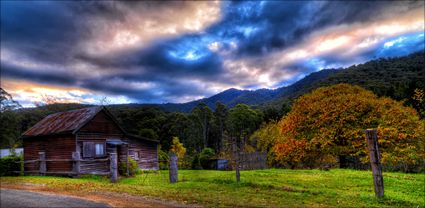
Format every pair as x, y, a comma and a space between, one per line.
204, 133
238, 174
220, 139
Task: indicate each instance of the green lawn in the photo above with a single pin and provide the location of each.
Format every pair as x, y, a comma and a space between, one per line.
259, 188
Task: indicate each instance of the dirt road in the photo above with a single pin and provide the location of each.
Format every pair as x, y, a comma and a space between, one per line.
18, 198
106, 198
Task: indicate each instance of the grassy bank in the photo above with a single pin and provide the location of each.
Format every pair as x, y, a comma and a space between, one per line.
273, 187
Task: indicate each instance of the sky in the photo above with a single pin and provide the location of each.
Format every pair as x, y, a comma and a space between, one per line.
159, 52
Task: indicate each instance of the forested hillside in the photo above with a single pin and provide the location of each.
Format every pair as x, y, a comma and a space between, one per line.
393, 77
204, 123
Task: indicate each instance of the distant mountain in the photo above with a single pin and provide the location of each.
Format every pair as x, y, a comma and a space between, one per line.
232, 97
224, 97
393, 77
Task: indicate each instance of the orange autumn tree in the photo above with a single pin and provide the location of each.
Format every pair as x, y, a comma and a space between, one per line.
328, 124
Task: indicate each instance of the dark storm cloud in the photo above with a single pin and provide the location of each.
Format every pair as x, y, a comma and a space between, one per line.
57, 33
44, 32
262, 27
162, 90
21, 73
165, 58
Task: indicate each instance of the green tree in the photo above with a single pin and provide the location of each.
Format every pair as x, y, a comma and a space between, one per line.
202, 116
266, 137
220, 115
149, 133
241, 122
6, 101
205, 156
10, 119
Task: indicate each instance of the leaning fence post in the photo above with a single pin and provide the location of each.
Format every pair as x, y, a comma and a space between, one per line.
42, 163
113, 167
76, 164
372, 143
173, 168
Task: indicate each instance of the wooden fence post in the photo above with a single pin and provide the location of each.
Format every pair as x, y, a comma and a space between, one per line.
126, 162
173, 168
42, 163
237, 155
76, 164
113, 167
372, 143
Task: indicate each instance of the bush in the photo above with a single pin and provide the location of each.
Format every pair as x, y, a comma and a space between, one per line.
163, 159
196, 164
9, 164
185, 163
204, 158
133, 167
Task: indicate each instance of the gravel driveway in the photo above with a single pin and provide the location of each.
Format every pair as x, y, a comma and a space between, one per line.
18, 198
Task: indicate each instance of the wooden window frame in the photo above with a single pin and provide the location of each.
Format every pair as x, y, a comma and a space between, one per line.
89, 149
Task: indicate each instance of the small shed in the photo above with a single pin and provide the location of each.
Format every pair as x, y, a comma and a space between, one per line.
92, 133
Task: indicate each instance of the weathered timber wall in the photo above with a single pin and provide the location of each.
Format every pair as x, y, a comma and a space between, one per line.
55, 147
147, 151
90, 165
101, 123
100, 128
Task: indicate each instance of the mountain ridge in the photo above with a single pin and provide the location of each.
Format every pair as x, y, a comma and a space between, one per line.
395, 77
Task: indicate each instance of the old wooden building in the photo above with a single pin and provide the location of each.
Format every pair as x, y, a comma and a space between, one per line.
91, 133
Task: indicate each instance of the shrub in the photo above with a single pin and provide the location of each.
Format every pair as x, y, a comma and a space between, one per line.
178, 148
185, 163
163, 158
206, 155
196, 164
133, 167
9, 164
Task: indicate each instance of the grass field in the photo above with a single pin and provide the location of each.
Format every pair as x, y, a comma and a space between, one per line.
264, 188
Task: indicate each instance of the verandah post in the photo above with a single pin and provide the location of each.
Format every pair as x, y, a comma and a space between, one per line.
372, 143
42, 163
76, 162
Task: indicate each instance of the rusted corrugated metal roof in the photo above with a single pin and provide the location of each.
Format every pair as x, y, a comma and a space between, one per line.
62, 122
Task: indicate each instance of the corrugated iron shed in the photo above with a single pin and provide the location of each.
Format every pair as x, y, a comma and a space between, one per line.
62, 122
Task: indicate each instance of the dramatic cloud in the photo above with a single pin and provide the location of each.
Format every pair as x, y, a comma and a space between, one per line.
175, 51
